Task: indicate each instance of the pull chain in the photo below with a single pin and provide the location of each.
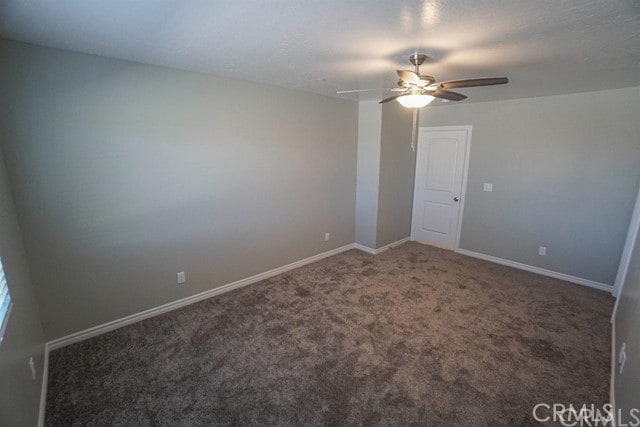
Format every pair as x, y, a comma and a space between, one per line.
414, 130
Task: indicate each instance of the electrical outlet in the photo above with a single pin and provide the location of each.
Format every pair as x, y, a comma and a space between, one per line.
622, 357
542, 251
181, 278
327, 237
487, 187
33, 368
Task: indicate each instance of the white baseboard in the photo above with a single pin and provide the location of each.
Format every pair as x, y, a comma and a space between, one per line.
381, 248
364, 248
128, 320
392, 245
538, 270
43, 389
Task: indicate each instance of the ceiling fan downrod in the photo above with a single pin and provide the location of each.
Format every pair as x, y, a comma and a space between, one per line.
418, 59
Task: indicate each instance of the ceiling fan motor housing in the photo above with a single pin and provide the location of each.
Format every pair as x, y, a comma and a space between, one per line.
418, 59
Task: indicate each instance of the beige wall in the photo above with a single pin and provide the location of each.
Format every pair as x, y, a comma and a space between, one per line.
125, 174
397, 170
368, 172
564, 171
385, 174
24, 338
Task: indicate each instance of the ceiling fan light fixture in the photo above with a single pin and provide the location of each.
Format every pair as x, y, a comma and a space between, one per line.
415, 100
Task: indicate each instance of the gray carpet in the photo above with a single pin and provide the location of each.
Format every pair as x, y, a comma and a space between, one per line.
414, 336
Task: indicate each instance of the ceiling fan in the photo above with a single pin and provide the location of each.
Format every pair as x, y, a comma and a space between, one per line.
417, 91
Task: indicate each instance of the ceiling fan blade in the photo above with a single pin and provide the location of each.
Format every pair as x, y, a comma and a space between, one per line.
355, 90
398, 89
391, 98
446, 94
489, 81
409, 77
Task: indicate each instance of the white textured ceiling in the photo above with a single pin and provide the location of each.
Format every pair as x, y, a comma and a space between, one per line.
544, 46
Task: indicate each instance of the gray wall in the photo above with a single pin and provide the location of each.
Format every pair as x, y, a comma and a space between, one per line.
19, 393
627, 387
565, 174
397, 170
125, 174
368, 172
385, 173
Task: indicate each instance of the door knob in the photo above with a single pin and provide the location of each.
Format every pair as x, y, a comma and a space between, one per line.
456, 199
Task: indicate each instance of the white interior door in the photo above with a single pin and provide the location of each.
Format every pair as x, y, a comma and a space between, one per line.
439, 185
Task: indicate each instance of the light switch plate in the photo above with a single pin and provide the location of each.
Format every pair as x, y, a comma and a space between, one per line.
181, 278
488, 187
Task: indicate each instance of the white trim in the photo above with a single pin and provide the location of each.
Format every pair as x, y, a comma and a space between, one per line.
392, 245
146, 314
538, 270
614, 365
43, 390
465, 175
364, 248
381, 249
634, 226
128, 320
156, 311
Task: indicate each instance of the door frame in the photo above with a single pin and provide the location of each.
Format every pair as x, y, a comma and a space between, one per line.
465, 173
625, 259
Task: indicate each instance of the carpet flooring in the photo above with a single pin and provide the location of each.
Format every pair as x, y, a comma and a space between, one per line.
413, 336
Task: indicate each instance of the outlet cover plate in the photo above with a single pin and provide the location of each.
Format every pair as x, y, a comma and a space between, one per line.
622, 358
